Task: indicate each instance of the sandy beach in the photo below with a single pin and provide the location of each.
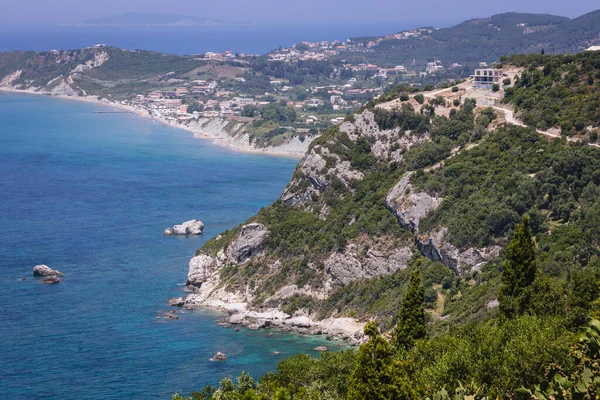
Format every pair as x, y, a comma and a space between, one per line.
141, 112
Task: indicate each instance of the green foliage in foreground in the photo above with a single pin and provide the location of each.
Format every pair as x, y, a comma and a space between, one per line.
411, 317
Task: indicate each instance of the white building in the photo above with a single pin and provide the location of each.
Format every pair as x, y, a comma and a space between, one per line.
485, 78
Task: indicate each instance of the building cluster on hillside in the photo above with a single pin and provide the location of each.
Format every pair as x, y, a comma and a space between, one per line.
323, 50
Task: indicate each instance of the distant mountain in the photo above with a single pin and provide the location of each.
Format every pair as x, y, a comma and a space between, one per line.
482, 39
149, 19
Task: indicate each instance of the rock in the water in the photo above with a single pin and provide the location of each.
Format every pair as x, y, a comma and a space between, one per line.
193, 227
219, 357
168, 232
52, 279
44, 270
321, 348
176, 301
171, 315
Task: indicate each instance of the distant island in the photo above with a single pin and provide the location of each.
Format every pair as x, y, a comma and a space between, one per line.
150, 19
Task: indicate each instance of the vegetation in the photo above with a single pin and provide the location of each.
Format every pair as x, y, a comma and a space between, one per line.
485, 39
524, 325
560, 91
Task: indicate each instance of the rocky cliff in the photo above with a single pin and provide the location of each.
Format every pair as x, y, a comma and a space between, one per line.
350, 214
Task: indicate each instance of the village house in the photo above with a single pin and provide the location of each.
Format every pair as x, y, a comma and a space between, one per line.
485, 78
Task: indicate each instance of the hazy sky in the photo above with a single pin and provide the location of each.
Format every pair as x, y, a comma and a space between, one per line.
69, 11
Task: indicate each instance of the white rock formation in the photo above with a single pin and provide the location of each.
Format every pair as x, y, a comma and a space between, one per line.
193, 227
200, 270
248, 243
44, 270
351, 265
409, 206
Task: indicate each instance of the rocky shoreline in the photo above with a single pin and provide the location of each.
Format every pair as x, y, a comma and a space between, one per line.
238, 315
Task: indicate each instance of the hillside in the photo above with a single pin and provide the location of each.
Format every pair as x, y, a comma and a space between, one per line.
417, 208
558, 92
484, 39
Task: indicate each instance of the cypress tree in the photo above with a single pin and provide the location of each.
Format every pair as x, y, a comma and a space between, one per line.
519, 271
376, 375
411, 316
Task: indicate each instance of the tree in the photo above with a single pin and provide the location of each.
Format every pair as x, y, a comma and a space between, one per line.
519, 271
411, 316
376, 375
419, 98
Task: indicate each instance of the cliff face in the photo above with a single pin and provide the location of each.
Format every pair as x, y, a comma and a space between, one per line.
350, 214
235, 132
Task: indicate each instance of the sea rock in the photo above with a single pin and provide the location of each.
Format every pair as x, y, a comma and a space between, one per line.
321, 348
44, 270
52, 279
219, 357
237, 319
248, 243
176, 301
168, 232
200, 269
193, 227
171, 315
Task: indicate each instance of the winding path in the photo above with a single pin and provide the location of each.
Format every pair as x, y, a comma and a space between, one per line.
509, 115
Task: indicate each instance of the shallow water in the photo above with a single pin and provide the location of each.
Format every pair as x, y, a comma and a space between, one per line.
90, 194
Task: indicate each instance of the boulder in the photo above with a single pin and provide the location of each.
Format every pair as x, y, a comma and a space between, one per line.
300, 322
52, 279
200, 269
219, 357
168, 232
248, 243
237, 319
176, 301
171, 315
44, 270
193, 227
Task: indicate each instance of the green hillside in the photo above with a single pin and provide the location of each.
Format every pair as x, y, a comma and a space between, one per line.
518, 325
487, 39
559, 92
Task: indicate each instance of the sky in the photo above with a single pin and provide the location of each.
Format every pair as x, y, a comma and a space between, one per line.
50, 12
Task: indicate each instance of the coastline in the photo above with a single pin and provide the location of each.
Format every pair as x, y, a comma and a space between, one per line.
143, 113
347, 330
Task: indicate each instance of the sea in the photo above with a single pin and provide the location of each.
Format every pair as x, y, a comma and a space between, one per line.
250, 39
90, 194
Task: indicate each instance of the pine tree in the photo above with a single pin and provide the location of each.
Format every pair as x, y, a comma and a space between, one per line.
411, 317
519, 271
376, 375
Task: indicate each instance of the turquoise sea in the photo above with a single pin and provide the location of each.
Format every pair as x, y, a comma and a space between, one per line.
90, 194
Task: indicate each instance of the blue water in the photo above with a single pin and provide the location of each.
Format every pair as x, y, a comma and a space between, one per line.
89, 194
256, 39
